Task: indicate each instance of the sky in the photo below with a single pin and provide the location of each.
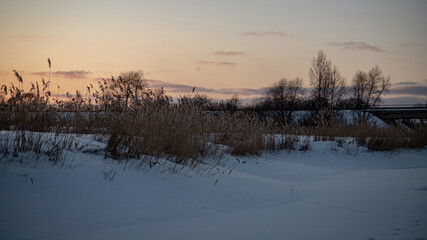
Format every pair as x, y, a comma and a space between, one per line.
222, 47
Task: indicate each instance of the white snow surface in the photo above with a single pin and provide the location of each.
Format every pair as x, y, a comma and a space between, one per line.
345, 117
328, 192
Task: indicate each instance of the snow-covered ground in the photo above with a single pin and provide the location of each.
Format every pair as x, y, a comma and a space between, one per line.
328, 192
344, 117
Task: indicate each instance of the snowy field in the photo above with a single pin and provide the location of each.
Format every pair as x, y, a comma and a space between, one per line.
328, 192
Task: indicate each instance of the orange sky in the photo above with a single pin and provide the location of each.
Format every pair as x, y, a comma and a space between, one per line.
214, 45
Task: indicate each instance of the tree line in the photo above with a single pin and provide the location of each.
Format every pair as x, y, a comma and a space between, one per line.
129, 91
329, 91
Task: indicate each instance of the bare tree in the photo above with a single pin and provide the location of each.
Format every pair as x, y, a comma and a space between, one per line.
367, 89
337, 88
284, 95
358, 89
327, 82
121, 93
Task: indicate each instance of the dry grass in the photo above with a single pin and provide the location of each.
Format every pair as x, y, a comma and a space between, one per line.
375, 138
27, 148
161, 131
243, 133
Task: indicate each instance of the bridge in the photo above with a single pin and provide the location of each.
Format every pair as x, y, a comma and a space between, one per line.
405, 115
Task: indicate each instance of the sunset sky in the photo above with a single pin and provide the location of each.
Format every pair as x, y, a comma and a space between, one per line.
222, 47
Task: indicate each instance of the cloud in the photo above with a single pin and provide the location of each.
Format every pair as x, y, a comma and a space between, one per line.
72, 74
228, 53
409, 90
24, 36
232, 64
243, 91
403, 100
182, 88
413, 91
77, 74
409, 83
169, 87
351, 45
260, 34
401, 94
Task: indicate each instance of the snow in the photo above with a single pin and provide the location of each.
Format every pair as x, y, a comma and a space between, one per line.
328, 192
346, 117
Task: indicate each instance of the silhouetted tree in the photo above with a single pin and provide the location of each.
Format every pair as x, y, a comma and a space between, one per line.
367, 89
327, 82
284, 96
126, 91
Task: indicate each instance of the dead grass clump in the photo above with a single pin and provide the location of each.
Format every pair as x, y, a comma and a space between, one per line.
26, 147
393, 138
305, 145
375, 138
162, 131
420, 139
5, 120
243, 133
289, 142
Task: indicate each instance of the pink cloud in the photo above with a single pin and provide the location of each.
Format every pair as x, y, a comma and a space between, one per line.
24, 36
182, 88
228, 53
77, 74
232, 64
169, 87
356, 46
259, 34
